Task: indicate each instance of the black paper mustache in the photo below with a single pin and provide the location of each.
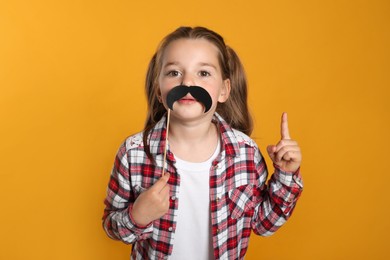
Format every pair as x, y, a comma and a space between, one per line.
199, 93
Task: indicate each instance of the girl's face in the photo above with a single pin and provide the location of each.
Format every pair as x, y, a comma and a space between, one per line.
192, 62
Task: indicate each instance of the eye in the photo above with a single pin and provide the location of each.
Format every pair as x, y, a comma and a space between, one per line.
173, 73
204, 73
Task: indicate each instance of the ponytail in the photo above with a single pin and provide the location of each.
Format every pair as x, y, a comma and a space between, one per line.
235, 110
156, 109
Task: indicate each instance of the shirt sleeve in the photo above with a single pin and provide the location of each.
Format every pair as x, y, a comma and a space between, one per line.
276, 200
117, 221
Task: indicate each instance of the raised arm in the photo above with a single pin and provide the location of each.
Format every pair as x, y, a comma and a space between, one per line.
277, 200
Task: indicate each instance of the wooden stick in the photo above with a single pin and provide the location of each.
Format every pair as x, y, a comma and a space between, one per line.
166, 141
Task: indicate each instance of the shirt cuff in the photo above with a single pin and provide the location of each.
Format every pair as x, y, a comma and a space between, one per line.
139, 230
289, 178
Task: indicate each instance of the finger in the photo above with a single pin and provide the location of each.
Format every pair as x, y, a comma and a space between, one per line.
164, 193
285, 134
283, 143
164, 198
165, 190
293, 156
287, 153
288, 156
161, 183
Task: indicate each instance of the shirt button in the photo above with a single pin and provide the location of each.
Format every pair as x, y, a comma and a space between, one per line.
217, 199
218, 230
173, 197
170, 228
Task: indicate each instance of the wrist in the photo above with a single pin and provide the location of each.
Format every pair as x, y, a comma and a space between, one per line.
283, 169
138, 221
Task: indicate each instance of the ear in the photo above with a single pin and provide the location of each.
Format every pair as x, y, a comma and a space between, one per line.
225, 92
158, 95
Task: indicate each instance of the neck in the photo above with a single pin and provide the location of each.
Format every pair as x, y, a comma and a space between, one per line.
193, 141
190, 131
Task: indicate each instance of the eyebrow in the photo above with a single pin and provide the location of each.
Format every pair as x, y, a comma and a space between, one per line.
208, 65
202, 64
171, 63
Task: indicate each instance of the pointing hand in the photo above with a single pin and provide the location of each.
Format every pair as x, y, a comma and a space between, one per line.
286, 153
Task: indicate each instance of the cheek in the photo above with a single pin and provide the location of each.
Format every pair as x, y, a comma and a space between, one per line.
162, 95
163, 92
214, 93
163, 87
166, 84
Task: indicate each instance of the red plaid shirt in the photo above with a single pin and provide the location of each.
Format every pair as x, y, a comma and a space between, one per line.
240, 199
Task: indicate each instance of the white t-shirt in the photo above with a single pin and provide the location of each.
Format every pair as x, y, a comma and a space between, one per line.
192, 238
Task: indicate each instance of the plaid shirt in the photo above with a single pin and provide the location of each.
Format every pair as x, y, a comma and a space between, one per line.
240, 199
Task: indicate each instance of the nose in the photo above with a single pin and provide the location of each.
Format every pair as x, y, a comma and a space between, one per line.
187, 80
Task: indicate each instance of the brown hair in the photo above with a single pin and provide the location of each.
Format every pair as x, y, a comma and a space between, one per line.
235, 110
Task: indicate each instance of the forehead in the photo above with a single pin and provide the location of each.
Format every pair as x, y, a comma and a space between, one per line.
199, 50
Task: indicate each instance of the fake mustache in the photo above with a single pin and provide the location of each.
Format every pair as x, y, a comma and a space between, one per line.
199, 93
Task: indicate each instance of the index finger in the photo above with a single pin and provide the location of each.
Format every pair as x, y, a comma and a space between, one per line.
285, 134
161, 183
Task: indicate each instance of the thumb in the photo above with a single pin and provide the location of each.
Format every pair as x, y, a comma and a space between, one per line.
160, 184
271, 151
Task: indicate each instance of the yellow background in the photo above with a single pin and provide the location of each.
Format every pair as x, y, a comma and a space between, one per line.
71, 89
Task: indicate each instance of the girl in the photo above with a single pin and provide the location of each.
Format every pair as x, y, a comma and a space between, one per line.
214, 191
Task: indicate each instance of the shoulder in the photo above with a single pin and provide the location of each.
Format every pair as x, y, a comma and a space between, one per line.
247, 145
134, 141
243, 139
236, 141
130, 147
130, 143
134, 144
